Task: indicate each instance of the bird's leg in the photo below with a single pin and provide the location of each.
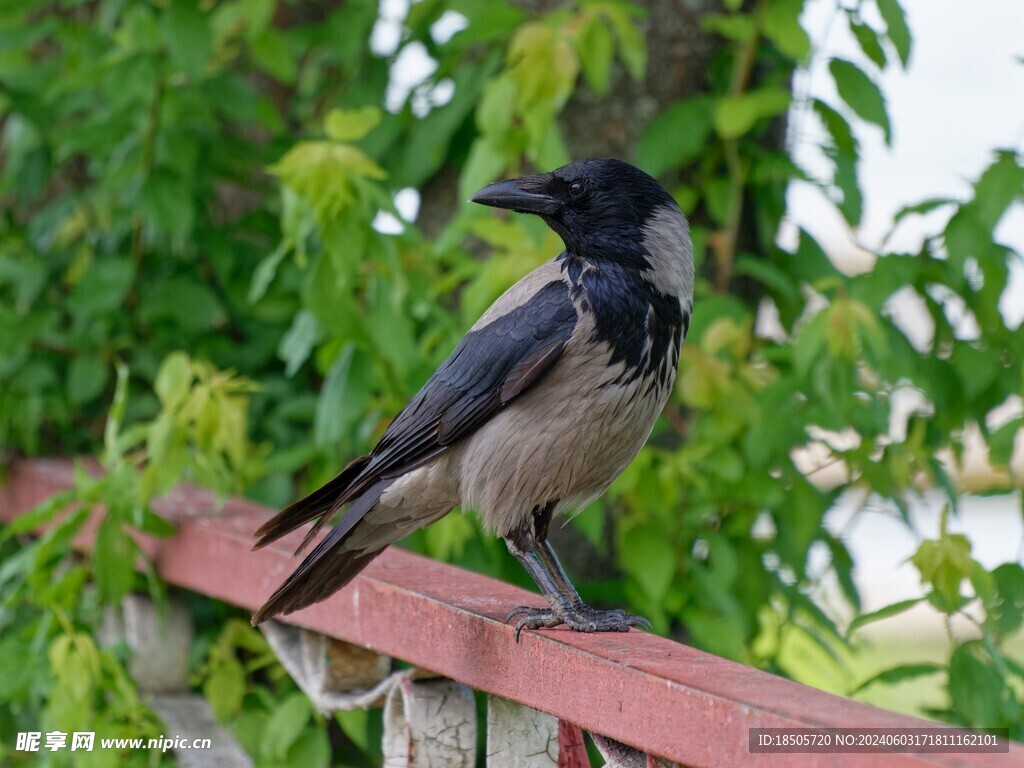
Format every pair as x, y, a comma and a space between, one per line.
530, 546
523, 544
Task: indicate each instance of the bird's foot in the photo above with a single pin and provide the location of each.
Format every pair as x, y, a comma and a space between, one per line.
579, 617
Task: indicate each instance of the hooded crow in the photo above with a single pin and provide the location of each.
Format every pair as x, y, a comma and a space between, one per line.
540, 406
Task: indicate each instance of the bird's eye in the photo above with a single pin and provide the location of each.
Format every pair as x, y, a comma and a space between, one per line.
576, 189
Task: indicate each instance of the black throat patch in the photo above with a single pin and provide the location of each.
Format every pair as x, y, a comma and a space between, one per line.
628, 312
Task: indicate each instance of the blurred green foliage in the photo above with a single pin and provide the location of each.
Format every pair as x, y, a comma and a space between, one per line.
205, 176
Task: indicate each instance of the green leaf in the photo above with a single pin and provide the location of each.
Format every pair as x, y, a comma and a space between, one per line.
38, 516
485, 164
975, 686
781, 24
167, 455
737, 27
265, 273
900, 674
298, 342
544, 66
976, 368
167, 205
87, 377
153, 524
777, 281
842, 135
286, 724
867, 38
225, 688
735, 115
113, 561
810, 260
810, 343
326, 174
1001, 185
1006, 615
351, 125
496, 110
447, 538
115, 416
897, 30
488, 21
103, 288
632, 48
187, 36
341, 399
355, 723
257, 15
174, 380
595, 48
882, 613
925, 206
311, 748
270, 50
842, 567
550, 151
944, 563
861, 94
1002, 441
677, 136
16, 668
648, 558
181, 301
846, 181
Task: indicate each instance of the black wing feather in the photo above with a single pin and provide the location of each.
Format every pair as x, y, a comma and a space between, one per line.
466, 389
490, 367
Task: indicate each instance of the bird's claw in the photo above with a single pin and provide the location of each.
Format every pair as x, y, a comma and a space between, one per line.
579, 618
517, 611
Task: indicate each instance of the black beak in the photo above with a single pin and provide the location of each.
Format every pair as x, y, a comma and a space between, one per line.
509, 194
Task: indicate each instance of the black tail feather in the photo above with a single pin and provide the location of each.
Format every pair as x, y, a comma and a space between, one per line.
321, 503
329, 567
312, 586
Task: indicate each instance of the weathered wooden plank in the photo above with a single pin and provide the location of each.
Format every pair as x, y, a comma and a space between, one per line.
646, 691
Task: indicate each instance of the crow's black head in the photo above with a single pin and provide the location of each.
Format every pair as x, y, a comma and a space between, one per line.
599, 207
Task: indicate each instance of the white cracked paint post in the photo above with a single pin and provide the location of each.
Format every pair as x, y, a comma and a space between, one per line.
429, 723
520, 737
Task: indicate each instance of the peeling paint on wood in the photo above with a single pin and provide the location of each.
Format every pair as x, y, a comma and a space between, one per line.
520, 737
429, 724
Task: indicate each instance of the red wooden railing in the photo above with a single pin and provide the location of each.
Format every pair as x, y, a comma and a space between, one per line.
658, 696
